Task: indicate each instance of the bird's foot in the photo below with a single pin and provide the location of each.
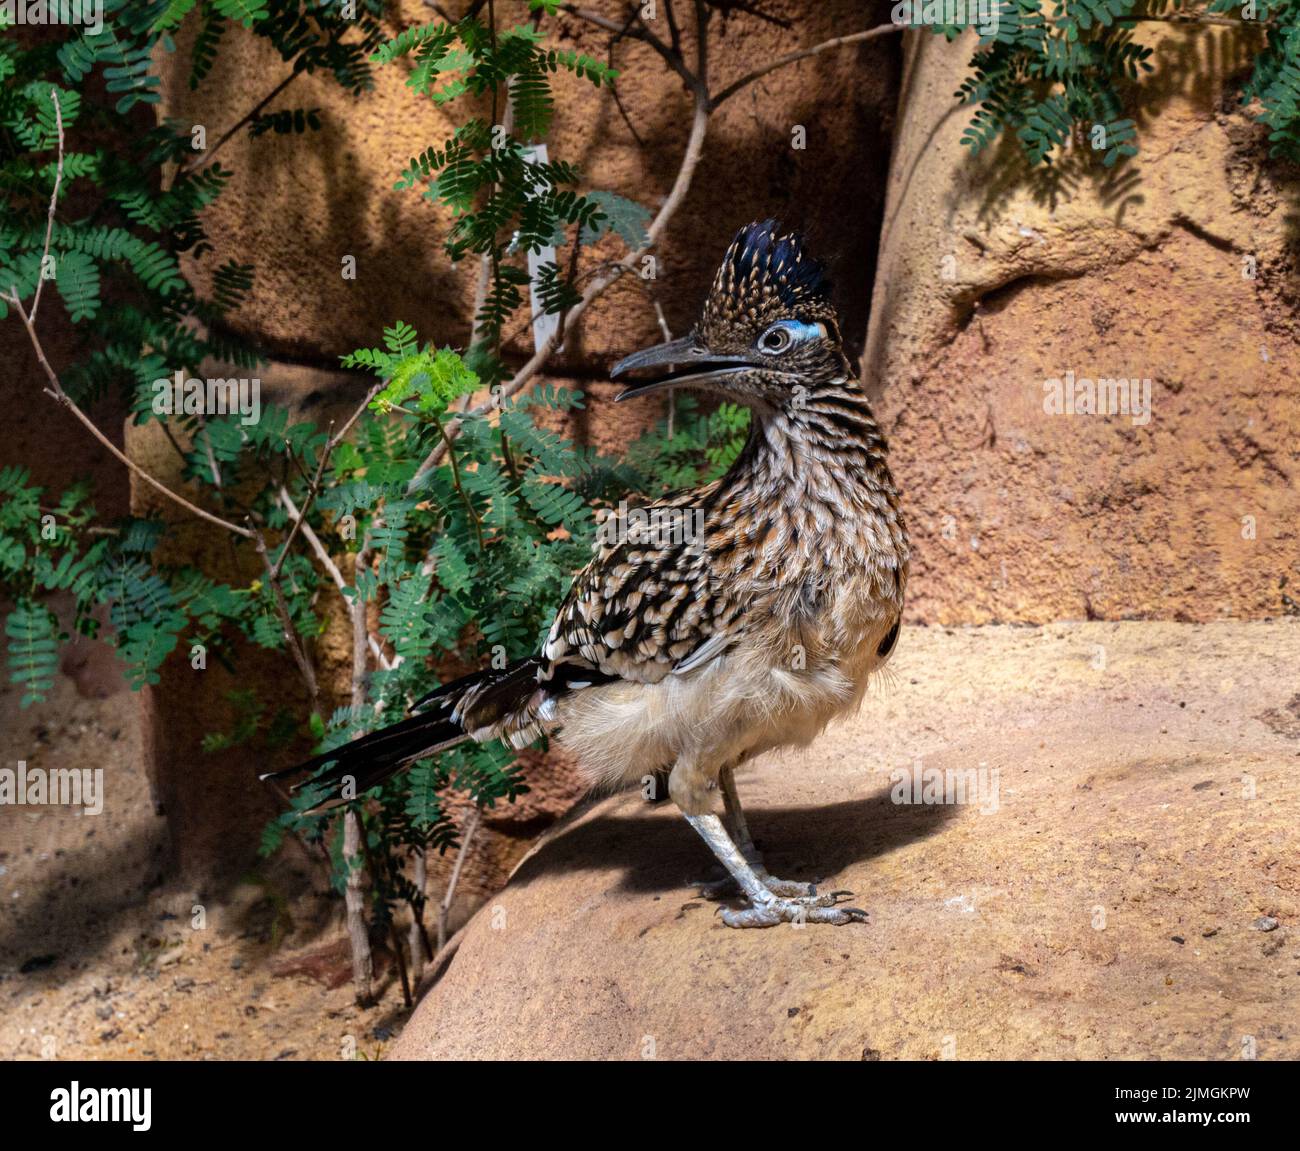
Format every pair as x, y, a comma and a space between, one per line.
804, 892
796, 911
726, 888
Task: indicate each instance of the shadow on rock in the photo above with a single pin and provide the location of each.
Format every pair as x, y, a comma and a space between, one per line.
661, 854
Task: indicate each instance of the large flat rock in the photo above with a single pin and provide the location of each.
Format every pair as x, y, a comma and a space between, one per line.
1102, 899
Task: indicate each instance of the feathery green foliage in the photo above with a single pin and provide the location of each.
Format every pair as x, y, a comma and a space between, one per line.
1070, 71
465, 558
1053, 73
1274, 81
490, 176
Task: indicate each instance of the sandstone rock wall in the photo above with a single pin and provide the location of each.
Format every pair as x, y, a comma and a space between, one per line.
1180, 271
298, 204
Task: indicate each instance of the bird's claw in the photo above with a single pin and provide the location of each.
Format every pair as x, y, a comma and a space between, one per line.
795, 911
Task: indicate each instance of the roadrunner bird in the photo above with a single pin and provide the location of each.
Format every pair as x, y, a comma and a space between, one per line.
697, 651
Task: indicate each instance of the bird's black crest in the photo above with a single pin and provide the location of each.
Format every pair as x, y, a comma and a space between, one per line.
762, 259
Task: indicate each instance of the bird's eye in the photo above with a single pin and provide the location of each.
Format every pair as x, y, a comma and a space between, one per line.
775, 340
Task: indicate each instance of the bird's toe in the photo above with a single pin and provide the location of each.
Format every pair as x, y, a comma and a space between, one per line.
816, 909
790, 888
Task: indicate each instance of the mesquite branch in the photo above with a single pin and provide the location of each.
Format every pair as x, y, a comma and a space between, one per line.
55, 389
444, 907
704, 104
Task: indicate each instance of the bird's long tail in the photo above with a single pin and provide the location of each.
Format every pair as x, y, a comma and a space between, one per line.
506, 703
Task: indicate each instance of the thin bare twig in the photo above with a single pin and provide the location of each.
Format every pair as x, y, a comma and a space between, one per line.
55, 390
354, 836
613, 90
332, 569
360, 633
312, 489
674, 33
200, 159
444, 908
702, 15
296, 647
802, 54
672, 56
667, 334
54, 203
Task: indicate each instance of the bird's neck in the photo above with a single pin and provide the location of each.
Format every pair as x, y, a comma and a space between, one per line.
822, 446
813, 485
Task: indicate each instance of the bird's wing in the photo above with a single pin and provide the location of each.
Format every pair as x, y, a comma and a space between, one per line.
641, 610
646, 607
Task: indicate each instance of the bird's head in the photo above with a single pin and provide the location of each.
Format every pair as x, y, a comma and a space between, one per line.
768, 330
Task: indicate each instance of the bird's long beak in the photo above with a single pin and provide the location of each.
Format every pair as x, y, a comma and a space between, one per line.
683, 361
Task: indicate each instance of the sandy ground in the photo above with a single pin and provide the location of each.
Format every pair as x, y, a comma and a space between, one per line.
100, 959
1117, 900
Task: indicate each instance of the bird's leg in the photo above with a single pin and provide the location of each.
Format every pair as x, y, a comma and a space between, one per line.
735, 823
734, 815
766, 909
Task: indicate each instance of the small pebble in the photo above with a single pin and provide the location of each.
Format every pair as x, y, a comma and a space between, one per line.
1264, 923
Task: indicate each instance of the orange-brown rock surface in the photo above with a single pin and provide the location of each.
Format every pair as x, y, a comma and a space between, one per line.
1179, 270
1125, 886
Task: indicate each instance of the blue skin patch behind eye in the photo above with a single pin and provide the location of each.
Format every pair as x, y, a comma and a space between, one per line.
801, 331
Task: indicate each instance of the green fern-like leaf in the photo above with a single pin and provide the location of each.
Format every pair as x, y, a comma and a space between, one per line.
534, 104
588, 67
402, 618
452, 568
553, 503
33, 649
625, 218
77, 277
174, 13
426, 36
1046, 129
146, 644
245, 12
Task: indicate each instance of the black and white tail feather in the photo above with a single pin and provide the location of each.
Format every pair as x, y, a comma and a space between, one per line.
515, 704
